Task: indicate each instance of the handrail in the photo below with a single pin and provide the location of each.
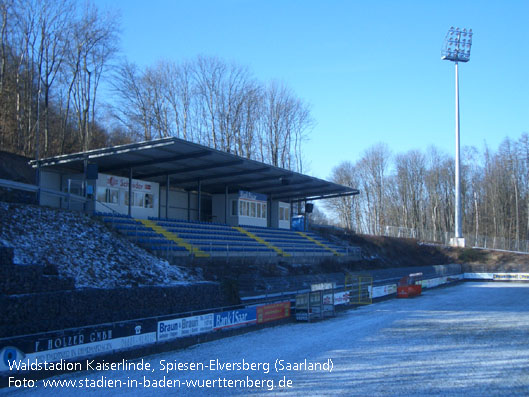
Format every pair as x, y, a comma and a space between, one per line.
106, 206
18, 185
34, 188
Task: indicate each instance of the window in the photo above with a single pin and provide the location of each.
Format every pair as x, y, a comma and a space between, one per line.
101, 194
284, 213
113, 196
149, 200
139, 199
105, 195
252, 209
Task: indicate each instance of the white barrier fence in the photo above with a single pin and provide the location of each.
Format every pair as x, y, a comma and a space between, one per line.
497, 276
380, 291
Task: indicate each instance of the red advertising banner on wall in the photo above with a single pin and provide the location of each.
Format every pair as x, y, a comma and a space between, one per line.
273, 312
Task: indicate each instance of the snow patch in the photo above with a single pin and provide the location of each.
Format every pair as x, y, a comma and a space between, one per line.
82, 248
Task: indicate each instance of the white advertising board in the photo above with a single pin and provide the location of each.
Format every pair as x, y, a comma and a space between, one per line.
187, 326
382, 290
322, 286
479, 276
497, 276
341, 298
511, 276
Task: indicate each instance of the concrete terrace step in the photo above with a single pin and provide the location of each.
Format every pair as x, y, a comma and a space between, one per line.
260, 240
319, 243
173, 237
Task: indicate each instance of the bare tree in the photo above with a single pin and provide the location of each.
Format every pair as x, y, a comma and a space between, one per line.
410, 179
285, 120
246, 135
134, 101
6, 92
93, 45
209, 73
346, 208
216, 104
5, 26
179, 93
374, 166
54, 26
52, 57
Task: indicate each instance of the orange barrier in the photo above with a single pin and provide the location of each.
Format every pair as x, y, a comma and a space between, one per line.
410, 286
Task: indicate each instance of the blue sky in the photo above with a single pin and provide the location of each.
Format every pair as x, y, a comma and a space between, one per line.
370, 70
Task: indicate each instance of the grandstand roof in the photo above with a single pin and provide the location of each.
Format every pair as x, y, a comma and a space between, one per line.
185, 163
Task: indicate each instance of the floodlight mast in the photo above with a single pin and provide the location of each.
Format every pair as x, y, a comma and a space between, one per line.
457, 49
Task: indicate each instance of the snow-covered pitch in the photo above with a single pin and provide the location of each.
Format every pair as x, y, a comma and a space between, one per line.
467, 340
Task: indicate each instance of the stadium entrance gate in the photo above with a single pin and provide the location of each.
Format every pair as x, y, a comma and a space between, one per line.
360, 289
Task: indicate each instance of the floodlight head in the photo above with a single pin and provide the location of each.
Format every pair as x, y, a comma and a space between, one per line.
457, 45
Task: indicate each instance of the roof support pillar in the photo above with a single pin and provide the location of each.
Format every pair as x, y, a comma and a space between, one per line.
226, 206
199, 198
269, 211
291, 213
188, 206
167, 196
160, 201
306, 218
130, 192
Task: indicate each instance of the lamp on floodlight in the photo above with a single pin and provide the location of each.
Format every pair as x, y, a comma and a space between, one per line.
457, 49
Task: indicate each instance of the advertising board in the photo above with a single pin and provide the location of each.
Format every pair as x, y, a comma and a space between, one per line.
478, 276
76, 343
235, 318
275, 311
252, 196
383, 290
322, 286
340, 298
186, 326
510, 276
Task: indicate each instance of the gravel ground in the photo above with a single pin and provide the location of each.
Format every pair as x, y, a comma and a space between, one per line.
466, 340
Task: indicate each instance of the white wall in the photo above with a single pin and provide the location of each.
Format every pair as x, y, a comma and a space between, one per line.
121, 185
274, 219
284, 224
52, 181
246, 220
178, 204
218, 209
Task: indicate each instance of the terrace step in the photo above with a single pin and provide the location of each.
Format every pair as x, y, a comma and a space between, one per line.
319, 243
260, 240
174, 237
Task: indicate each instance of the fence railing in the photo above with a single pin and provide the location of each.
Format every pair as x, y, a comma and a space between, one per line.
495, 243
68, 197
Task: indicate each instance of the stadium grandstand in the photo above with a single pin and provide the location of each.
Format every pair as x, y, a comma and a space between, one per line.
184, 199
